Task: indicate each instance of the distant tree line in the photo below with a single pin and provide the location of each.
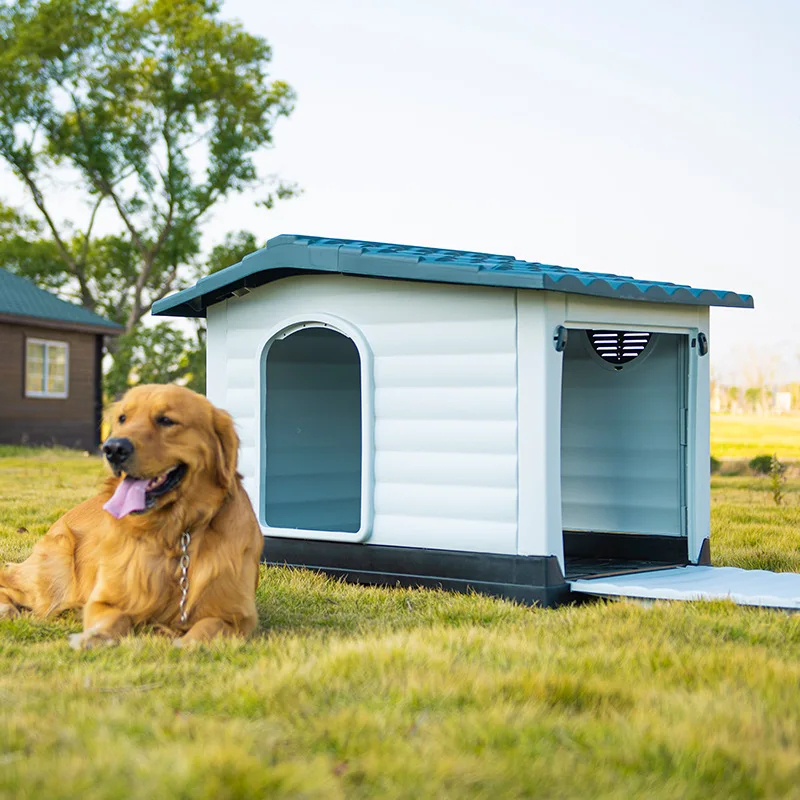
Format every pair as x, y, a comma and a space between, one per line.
763, 399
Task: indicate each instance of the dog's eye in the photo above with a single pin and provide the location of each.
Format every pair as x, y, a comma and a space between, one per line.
121, 418
165, 421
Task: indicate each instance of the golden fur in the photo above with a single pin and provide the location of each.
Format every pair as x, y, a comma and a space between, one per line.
124, 572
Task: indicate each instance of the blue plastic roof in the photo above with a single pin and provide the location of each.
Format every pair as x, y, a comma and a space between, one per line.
296, 255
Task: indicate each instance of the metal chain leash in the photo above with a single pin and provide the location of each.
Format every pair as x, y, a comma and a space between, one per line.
183, 583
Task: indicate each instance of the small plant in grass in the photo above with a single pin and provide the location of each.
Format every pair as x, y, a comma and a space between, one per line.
777, 480
761, 465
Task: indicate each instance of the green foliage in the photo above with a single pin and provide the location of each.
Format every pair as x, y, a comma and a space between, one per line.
231, 251
194, 359
153, 354
777, 479
754, 397
153, 111
760, 465
163, 354
357, 692
749, 530
715, 465
25, 250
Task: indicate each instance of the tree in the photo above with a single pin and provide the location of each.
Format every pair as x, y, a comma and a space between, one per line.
153, 354
754, 397
191, 363
232, 250
153, 112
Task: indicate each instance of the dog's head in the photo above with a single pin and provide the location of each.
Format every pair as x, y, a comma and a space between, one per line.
169, 443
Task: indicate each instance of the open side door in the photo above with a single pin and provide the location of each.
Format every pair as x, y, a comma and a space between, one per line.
745, 587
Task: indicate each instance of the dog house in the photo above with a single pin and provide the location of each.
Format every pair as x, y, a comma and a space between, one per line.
434, 417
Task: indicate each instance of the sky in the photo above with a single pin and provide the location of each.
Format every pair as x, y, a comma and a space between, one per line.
659, 140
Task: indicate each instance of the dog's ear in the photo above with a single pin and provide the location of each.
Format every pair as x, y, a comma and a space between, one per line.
228, 448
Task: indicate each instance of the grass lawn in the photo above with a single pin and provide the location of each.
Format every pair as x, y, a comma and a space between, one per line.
358, 692
746, 436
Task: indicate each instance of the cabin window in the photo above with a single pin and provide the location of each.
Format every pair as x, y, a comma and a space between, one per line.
46, 368
314, 428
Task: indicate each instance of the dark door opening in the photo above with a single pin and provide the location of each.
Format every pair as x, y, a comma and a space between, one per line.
623, 456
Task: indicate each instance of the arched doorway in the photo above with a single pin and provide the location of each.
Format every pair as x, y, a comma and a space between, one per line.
313, 431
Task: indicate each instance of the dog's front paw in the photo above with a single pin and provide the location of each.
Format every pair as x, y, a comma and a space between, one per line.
89, 639
182, 643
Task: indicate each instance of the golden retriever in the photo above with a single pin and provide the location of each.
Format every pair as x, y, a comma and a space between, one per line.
118, 555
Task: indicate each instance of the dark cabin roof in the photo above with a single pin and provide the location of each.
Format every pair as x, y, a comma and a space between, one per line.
22, 301
297, 255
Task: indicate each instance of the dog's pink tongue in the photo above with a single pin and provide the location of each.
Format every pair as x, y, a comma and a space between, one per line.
128, 497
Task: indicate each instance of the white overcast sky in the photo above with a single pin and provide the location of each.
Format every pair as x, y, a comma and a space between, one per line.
656, 139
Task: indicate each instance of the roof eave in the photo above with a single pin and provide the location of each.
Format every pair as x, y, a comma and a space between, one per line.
286, 256
651, 294
112, 329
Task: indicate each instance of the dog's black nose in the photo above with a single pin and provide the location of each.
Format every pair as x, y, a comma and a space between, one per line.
117, 450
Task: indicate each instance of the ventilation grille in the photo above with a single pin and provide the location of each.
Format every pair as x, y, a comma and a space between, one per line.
618, 347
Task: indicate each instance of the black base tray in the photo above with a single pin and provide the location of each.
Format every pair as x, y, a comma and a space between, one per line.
533, 580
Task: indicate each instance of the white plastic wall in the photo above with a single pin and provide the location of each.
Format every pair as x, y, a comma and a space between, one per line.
445, 389
465, 378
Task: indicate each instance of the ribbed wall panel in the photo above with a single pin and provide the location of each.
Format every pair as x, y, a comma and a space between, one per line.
446, 534
451, 436
444, 365
613, 463
240, 387
248, 459
247, 437
240, 373
476, 405
377, 302
239, 403
448, 502
242, 342
441, 469
217, 354
464, 337
429, 371
477, 336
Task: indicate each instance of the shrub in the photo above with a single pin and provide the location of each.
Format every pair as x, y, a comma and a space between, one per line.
761, 465
715, 465
777, 479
